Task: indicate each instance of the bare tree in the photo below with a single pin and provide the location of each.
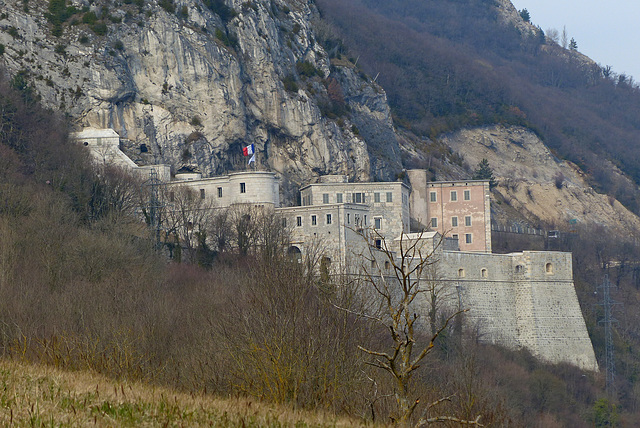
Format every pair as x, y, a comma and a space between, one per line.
186, 219
553, 34
398, 279
564, 38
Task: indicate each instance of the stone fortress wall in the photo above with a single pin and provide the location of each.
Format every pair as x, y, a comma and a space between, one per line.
522, 299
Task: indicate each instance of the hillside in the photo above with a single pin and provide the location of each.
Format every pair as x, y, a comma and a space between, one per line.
448, 65
364, 88
35, 395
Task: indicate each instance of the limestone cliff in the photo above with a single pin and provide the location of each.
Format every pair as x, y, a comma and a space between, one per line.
536, 183
196, 80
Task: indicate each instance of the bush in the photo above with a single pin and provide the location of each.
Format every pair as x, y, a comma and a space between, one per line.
168, 5
221, 9
290, 83
305, 68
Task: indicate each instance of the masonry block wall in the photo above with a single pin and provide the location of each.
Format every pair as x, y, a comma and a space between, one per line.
521, 300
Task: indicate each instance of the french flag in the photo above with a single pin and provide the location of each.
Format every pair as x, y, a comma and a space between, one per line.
248, 150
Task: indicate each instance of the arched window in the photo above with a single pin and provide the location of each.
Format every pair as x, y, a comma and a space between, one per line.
483, 272
461, 273
519, 269
549, 268
295, 253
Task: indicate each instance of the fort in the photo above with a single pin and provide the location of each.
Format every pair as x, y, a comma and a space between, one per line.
519, 300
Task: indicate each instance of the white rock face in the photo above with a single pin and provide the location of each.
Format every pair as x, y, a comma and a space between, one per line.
536, 182
196, 89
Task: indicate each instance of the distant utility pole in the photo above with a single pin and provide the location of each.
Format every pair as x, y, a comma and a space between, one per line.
607, 321
155, 205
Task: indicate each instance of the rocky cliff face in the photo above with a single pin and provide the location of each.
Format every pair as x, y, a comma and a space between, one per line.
195, 81
536, 183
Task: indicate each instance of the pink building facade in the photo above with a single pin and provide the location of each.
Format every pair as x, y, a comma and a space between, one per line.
456, 209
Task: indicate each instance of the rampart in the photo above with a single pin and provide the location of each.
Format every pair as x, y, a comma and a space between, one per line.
519, 300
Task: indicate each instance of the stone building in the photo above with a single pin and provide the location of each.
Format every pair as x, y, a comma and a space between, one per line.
457, 209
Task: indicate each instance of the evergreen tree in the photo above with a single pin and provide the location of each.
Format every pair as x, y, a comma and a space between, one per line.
573, 45
524, 14
484, 172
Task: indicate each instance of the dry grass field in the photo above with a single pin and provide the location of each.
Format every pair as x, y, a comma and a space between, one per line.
33, 395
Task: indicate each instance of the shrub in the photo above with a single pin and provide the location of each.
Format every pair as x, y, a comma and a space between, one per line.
99, 28
195, 121
168, 5
118, 45
290, 83
305, 68
1, 49
222, 10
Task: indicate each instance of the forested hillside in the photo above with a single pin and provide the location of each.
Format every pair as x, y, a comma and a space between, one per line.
81, 287
451, 64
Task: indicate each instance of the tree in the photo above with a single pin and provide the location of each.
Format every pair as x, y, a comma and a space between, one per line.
484, 172
573, 45
553, 34
564, 38
524, 14
399, 283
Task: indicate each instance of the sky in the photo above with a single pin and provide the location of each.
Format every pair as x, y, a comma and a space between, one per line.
608, 32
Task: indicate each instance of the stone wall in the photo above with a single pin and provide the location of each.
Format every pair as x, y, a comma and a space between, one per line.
521, 300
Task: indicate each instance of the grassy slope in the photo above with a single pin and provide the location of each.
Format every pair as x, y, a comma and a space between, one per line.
33, 395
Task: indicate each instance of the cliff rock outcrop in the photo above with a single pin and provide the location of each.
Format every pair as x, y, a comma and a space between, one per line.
195, 80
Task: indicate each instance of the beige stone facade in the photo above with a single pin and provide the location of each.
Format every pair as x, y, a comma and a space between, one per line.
250, 187
388, 202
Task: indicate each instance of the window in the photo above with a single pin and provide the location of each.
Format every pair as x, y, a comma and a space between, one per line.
387, 265
172, 196
365, 219
467, 195
219, 192
378, 246
314, 220
357, 198
377, 223
432, 196
455, 236
434, 222
284, 222
298, 221
467, 220
376, 197
348, 218
461, 273
454, 221
483, 273
325, 198
328, 218
356, 218
454, 196
243, 188
467, 238
389, 197
201, 193
339, 198
549, 268
520, 269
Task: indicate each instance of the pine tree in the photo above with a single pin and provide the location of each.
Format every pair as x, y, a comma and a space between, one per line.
524, 14
573, 45
484, 172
